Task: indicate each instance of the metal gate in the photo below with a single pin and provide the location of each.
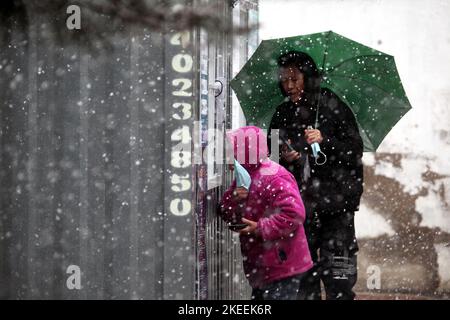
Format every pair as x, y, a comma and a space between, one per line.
226, 55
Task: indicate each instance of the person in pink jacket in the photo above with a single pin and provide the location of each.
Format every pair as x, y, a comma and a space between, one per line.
273, 244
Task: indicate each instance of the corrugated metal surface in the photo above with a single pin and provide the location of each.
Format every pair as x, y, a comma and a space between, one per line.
88, 171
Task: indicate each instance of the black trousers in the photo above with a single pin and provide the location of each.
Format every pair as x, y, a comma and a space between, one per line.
333, 247
285, 289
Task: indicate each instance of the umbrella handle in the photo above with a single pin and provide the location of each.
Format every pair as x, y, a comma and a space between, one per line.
288, 145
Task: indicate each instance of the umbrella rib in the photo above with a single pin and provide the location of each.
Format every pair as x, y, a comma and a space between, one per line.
316, 123
326, 49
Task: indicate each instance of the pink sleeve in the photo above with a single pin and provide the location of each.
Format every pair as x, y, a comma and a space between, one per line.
228, 207
289, 210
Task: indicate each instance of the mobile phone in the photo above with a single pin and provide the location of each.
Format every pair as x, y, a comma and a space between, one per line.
288, 145
237, 226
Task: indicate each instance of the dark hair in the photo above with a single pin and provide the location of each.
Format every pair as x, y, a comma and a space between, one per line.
308, 67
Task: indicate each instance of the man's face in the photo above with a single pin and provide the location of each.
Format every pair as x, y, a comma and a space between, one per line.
292, 81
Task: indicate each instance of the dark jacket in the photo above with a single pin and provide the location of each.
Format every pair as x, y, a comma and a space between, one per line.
337, 185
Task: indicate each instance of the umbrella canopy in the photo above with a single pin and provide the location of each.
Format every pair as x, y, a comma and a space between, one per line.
365, 79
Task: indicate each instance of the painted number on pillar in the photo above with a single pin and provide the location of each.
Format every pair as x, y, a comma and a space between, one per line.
182, 63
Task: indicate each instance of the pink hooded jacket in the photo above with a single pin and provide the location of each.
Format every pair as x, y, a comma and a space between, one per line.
280, 249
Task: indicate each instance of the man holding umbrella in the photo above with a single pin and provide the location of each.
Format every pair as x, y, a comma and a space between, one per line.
331, 188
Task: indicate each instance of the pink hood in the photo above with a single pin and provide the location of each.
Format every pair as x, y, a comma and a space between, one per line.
249, 146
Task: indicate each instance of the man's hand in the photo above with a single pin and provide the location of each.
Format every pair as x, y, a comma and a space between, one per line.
250, 229
240, 194
288, 155
313, 135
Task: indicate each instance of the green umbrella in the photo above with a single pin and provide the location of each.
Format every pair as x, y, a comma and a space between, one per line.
365, 79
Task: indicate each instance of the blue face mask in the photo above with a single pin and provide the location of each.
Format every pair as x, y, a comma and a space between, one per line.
242, 177
316, 151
